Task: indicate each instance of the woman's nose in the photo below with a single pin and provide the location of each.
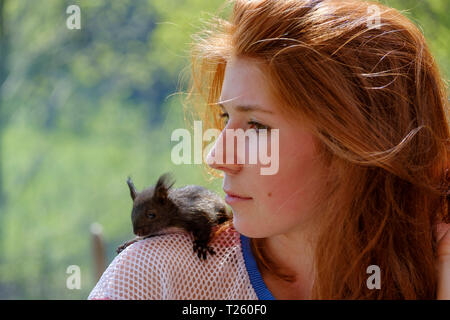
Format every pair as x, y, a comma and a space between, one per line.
223, 157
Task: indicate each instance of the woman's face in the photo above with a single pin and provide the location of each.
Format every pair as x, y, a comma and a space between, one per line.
281, 202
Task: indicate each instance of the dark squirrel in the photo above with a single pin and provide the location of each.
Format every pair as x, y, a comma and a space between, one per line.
161, 208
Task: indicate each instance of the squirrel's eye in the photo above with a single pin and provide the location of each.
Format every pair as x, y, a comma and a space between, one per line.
150, 215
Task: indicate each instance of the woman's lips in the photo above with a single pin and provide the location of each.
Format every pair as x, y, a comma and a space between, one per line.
231, 198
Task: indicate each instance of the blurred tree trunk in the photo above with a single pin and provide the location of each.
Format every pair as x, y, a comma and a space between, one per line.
3, 74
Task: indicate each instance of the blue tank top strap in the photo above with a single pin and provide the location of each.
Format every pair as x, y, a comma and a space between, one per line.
256, 278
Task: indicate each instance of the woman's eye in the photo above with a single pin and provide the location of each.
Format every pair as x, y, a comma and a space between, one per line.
224, 115
150, 215
257, 125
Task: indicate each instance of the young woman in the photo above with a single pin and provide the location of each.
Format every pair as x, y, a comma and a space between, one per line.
357, 205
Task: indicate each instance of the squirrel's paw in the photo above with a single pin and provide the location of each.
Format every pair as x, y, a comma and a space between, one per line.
121, 248
202, 249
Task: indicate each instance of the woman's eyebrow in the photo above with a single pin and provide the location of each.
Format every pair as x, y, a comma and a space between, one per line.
247, 108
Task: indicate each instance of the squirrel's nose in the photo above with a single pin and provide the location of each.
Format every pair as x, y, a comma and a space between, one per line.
141, 231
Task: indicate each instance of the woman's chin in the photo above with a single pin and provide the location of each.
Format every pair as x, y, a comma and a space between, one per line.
247, 228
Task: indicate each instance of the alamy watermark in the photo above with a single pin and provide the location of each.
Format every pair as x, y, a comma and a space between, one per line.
74, 280
74, 20
374, 281
256, 150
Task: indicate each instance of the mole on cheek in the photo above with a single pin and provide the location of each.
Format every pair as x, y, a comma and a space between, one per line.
269, 194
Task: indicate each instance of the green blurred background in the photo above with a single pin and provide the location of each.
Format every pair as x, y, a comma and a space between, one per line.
81, 110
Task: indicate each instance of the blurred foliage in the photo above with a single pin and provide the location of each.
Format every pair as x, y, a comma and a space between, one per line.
431, 17
83, 109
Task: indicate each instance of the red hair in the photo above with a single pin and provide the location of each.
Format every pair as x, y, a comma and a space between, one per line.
377, 105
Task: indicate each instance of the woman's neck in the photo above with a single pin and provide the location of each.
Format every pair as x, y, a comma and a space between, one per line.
293, 253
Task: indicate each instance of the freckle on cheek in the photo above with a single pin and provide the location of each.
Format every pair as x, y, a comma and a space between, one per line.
269, 194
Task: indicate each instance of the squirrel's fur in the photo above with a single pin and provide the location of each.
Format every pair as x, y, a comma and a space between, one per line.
192, 208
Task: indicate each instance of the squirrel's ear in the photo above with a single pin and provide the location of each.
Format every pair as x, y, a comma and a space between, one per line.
132, 188
165, 182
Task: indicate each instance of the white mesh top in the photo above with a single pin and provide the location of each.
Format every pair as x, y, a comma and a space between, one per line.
166, 267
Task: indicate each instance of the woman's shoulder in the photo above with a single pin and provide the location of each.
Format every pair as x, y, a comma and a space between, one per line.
164, 266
